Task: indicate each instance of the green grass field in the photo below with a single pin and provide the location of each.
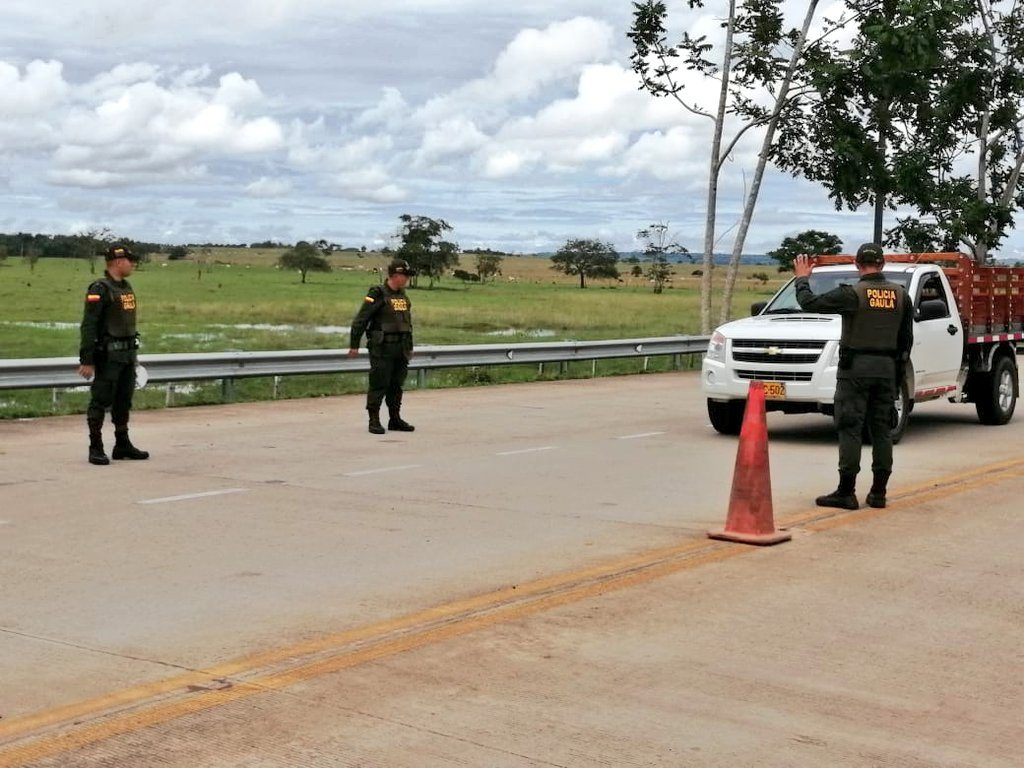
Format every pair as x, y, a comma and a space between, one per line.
243, 302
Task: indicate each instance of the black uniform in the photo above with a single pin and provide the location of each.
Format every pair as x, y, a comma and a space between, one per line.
386, 318
877, 336
109, 342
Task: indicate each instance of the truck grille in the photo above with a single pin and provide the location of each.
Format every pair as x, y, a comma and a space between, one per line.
774, 351
775, 375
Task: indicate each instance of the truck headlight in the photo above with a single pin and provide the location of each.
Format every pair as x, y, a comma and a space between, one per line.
716, 347
833, 359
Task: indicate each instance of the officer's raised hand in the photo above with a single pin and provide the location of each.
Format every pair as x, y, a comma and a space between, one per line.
802, 265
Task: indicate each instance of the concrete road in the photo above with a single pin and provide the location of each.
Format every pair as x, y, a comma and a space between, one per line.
523, 581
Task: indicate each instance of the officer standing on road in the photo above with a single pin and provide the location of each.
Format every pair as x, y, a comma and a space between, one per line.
878, 333
108, 354
386, 318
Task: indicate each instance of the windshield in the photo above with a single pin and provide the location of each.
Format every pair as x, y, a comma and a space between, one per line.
822, 282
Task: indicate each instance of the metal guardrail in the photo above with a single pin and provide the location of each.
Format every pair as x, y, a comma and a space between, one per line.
59, 372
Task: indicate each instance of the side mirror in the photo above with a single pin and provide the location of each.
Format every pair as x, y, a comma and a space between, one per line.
933, 309
757, 307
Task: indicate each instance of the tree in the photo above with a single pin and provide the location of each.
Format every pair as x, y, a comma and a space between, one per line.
658, 246
29, 252
758, 60
488, 265
424, 247
466, 277
586, 258
204, 260
976, 209
91, 245
304, 257
812, 241
177, 253
887, 116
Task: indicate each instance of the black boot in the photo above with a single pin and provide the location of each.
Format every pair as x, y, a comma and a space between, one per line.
842, 497
96, 453
376, 428
123, 448
395, 422
876, 496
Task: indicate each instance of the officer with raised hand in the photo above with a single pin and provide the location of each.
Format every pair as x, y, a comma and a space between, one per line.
107, 355
877, 336
386, 318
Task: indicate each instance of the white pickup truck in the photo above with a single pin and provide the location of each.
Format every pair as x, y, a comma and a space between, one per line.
968, 320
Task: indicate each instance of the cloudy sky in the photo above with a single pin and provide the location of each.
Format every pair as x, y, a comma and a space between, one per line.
519, 123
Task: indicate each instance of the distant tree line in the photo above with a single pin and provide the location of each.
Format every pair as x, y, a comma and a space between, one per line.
89, 246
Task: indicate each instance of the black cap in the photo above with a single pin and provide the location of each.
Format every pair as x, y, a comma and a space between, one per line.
121, 252
401, 267
870, 253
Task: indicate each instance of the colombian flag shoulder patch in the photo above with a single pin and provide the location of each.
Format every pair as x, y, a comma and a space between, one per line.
93, 297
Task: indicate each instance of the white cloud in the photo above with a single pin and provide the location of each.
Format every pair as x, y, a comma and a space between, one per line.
533, 60
388, 112
132, 124
40, 89
371, 184
267, 187
452, 138
667, 156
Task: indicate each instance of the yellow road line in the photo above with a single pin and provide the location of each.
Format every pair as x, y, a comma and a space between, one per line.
18, 726
146, 705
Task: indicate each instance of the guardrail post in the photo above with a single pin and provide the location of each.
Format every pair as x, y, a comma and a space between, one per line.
646, 361
54, 398
563, 367
277, 385
169, 396
676, 362
593, 368
540, 370
421, 378
227, 390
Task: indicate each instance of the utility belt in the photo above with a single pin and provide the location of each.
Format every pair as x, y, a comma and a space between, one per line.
393, 336
847, 355
122, 344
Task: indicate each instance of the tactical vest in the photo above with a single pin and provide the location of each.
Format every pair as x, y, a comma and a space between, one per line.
395, 313
874, 327
119, 317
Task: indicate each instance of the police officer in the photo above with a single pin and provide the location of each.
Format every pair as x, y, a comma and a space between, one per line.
108, 353
877, 335
386, 318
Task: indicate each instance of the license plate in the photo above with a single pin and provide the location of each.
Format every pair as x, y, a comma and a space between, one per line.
775, 390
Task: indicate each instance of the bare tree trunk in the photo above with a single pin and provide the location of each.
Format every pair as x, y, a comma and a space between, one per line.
713, 172
981, 247
762, 161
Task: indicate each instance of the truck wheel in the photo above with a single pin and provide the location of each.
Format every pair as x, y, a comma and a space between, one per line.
727, 418
903, 408
996, 396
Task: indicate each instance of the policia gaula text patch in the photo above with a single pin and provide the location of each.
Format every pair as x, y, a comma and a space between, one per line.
882, 298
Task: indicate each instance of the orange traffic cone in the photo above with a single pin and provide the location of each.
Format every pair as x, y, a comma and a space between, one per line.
750, 519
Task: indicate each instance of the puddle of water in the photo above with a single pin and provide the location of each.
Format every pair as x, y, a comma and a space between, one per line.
285, 328
535, 333
193, 336
48, 326
186, 389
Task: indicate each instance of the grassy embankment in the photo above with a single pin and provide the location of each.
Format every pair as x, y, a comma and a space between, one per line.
242, 302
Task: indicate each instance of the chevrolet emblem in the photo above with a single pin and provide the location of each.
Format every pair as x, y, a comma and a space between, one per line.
773, 351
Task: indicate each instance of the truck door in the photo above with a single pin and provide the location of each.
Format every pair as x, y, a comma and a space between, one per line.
938, 342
